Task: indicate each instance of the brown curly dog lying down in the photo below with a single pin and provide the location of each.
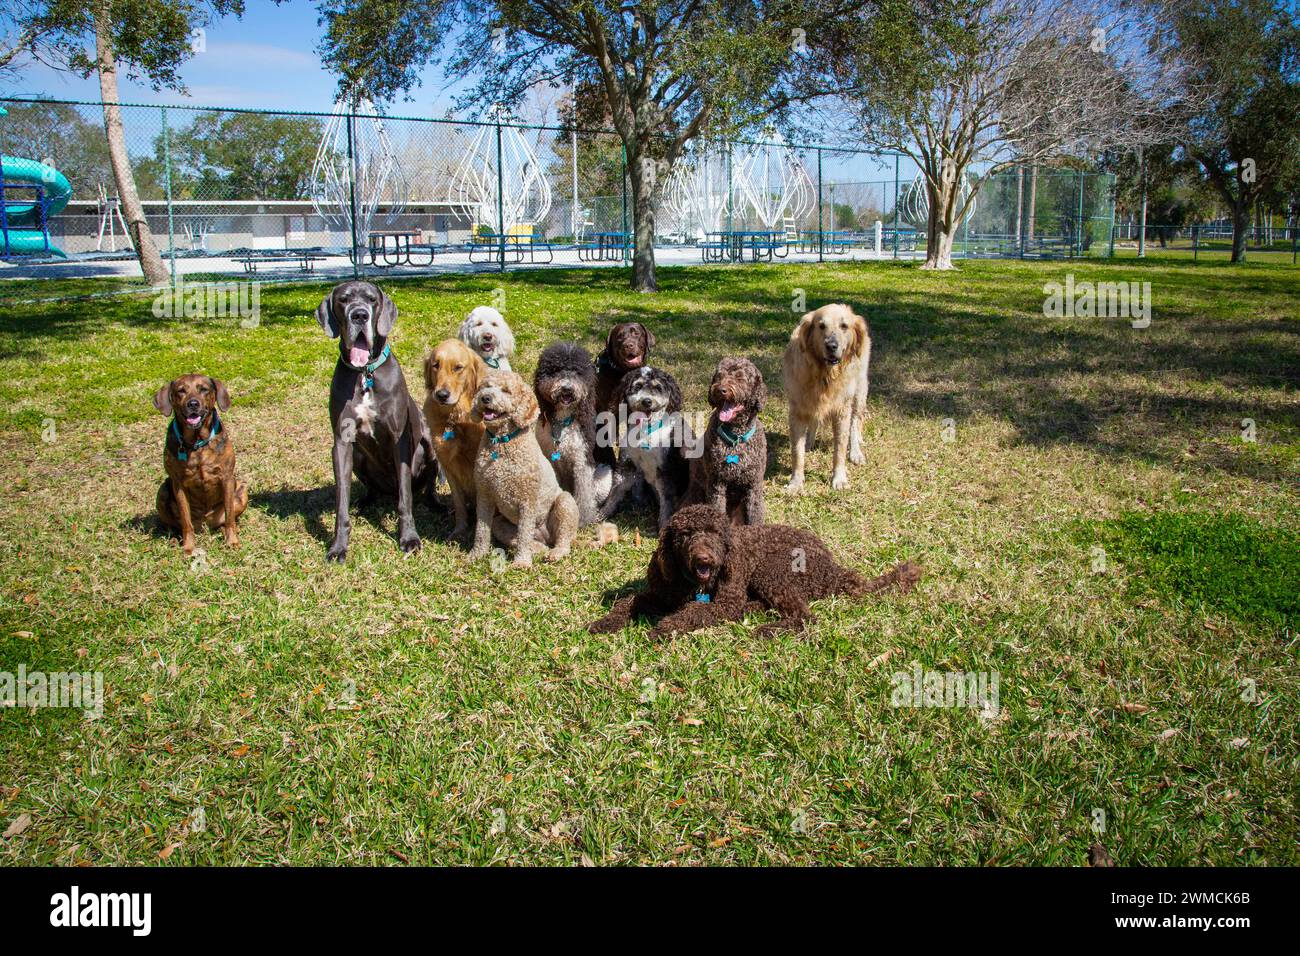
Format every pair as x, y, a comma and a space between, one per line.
706, 571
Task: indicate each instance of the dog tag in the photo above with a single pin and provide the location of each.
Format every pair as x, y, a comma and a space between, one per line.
555, 456
733, 459
703, 598
494, 456
448, 435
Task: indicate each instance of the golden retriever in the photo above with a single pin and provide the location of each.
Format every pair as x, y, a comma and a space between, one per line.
453, 374
825, 377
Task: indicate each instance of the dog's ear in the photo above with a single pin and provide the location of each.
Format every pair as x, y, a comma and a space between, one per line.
387, 315
325, 315
674, 394
162, 399
526, 411
649, 337
757, 391
609, 336
223, 393
807, 328
860, 335
665, 556
428, 371
505, 339
475, 371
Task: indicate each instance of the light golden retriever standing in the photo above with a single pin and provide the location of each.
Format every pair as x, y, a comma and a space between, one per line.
825, 377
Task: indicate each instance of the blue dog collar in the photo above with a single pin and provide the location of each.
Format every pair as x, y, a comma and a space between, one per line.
502, 439
183, 454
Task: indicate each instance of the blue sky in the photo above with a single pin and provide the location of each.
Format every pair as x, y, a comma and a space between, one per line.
265, 60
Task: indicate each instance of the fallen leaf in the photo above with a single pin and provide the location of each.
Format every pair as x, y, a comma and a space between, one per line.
1166, 734
720, 841
692, 721
18, 825
1134, 708
877, 661
1236, 743
1097, 856
240, 751
166, 852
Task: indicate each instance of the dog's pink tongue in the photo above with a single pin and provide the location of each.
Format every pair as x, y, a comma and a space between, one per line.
358, 356
728, 412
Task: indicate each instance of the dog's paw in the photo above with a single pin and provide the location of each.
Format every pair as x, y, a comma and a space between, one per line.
232, 541
557, 554
338, 553
409, 545
522, 561
794, 486
857, 458
605, 625
839, 481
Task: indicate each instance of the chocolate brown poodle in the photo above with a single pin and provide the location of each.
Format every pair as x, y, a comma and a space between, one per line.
705, 571
729, 474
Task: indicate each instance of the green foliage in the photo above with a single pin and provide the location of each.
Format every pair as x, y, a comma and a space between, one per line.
59, 133
1224, 563
243, 156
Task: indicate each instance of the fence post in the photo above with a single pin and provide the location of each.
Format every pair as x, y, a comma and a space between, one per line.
1110, 251
1196, 242
501, 200
623, 251
1080, 230
167, 181
896, 219
821, 239
1295, 233
355, 255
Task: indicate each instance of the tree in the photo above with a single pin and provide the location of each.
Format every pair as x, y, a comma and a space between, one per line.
995, 83
57, 133
1244, 56
148, 39
666, 71
246, 155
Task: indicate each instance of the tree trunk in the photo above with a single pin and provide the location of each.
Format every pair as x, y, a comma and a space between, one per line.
151, 264
641, 173
941, 224
1240, 225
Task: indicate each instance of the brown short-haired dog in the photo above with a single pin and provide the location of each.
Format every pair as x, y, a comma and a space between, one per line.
513, 478
705, 571
453, 373
199, 458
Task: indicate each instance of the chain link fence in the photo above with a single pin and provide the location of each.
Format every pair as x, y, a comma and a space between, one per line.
229, 190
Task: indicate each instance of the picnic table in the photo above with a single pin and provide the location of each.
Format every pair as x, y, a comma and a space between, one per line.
402, 247
518, 241
305, 259
605, 247
730, 245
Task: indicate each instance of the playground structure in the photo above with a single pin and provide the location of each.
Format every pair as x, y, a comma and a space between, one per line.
356, 171
770, 181
24, 222
110, 217
697, 195
501, 184
915, 203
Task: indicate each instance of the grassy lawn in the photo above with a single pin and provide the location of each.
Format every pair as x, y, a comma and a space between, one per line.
1094, 528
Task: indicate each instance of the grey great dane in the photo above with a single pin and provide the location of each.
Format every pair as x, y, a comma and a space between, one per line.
379, 430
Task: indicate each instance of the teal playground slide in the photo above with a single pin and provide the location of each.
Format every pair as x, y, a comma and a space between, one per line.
30, 193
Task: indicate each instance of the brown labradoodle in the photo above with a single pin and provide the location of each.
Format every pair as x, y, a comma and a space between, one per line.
728, 476
513, 479
705, 571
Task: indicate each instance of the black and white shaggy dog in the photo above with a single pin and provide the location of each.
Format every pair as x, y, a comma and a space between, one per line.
655, 441
565, 385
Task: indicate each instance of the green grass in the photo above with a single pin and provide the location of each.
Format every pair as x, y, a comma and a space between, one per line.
429, 711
